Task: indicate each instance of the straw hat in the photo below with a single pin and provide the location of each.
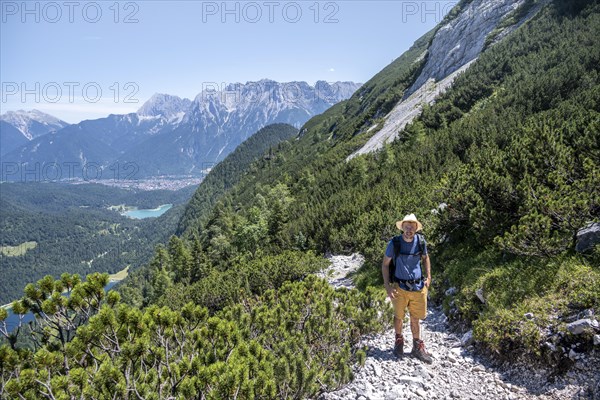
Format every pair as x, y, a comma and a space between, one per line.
409, 218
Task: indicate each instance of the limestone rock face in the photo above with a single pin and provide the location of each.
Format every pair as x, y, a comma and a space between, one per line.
462, 39
454, 48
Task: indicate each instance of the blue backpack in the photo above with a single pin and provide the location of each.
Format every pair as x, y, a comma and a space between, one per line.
396, 243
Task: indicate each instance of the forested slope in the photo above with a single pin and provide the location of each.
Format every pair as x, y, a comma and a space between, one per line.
49, 228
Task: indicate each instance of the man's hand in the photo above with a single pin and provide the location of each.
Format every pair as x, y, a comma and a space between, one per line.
390, 291
427, 282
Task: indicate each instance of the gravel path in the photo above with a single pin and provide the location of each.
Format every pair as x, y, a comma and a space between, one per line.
457, 371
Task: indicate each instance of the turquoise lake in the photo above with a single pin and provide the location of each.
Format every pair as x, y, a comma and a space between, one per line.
149, 213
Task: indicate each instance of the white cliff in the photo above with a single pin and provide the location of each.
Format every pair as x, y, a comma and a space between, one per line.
407, 110
462, 39
455, 46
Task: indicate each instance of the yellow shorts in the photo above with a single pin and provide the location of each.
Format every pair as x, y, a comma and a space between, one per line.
415, 301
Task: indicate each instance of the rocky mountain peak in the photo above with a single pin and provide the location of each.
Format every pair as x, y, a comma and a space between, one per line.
271, 97
33, 123
165, 105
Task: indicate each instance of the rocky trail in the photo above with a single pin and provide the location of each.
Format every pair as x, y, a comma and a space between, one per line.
457, 372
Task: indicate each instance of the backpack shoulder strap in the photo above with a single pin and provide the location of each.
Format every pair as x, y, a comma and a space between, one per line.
392, 265
421, 242
396, 244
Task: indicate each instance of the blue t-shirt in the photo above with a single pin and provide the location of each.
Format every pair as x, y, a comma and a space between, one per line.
408, 261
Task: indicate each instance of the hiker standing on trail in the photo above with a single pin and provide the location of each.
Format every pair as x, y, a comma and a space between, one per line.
405, 283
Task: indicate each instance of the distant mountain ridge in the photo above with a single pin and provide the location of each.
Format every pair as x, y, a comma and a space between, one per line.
218, 121
169, 135
165, 105
33, 123
19, 127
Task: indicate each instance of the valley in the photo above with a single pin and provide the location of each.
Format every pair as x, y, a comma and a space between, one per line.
53, 228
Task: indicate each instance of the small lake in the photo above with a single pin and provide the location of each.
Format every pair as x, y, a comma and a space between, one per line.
149, 213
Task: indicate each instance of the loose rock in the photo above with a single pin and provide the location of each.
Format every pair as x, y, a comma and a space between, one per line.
579, 326
467, 339
479, 294
588, 237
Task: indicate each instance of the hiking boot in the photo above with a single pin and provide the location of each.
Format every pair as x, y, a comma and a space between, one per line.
418, 351
399, 346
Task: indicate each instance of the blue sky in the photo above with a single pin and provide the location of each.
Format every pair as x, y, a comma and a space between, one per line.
83, 59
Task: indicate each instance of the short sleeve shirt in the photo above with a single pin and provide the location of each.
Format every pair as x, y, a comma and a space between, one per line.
408, 260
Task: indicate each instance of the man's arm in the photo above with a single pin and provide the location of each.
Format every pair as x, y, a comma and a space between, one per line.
427, 265
385, 270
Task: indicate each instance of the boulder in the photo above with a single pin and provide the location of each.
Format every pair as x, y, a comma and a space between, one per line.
588, 237
579, 326
411, 380
467, 338
479, 294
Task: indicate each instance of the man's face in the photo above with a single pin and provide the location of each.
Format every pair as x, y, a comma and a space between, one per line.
409, 228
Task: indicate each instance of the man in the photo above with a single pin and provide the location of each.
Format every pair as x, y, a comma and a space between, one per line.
408, 287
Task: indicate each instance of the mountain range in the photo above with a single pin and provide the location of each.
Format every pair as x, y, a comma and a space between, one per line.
166, 136
19, 127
